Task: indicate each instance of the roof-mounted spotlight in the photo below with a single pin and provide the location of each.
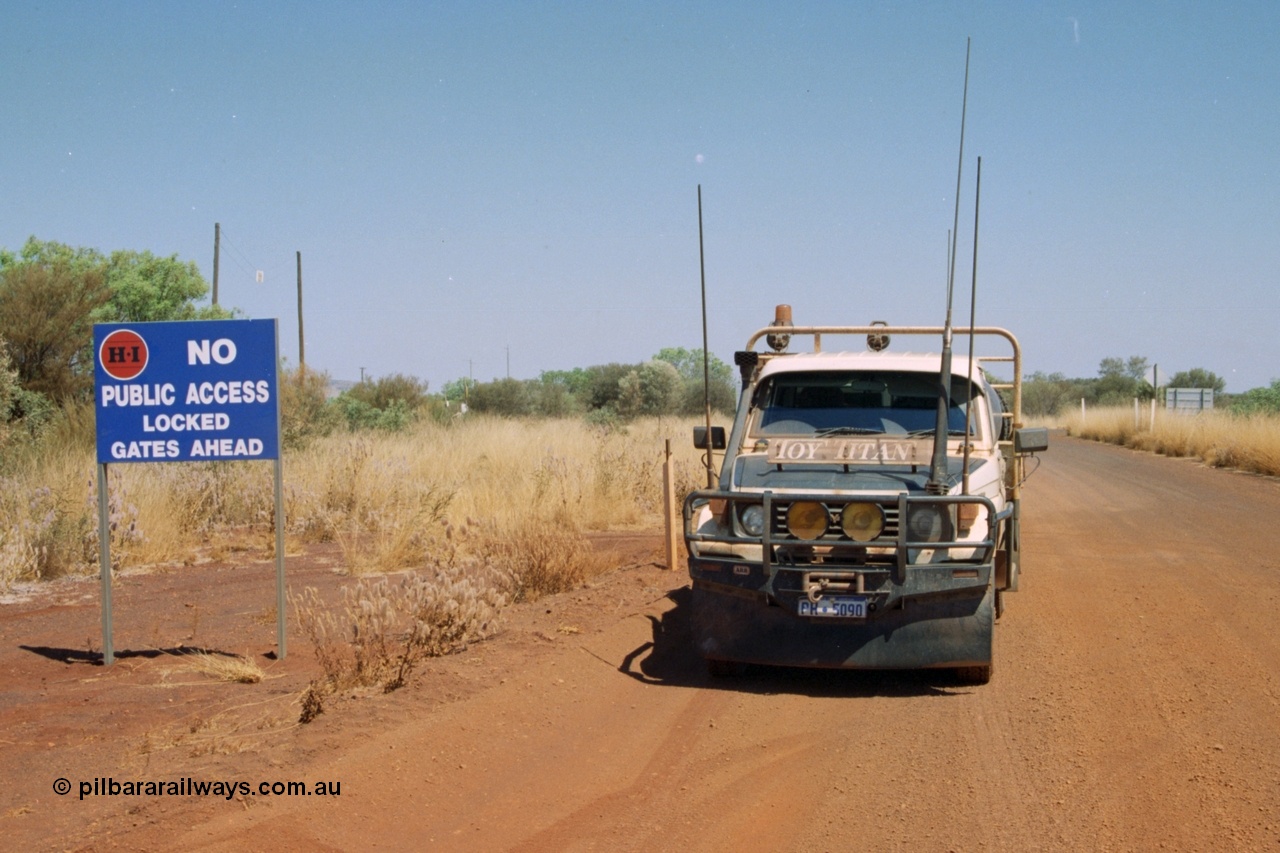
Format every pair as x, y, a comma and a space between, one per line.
781, 317
876, 342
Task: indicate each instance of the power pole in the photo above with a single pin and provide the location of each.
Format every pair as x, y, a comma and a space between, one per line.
302, 351
217, 240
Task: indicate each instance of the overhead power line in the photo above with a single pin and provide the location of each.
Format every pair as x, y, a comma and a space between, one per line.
240, 258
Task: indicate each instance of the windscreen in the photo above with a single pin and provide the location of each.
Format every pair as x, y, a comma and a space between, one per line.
861, 403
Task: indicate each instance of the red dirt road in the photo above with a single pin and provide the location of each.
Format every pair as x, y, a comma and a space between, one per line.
1135, 706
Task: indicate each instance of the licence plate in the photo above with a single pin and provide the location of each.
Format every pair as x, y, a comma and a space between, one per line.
837, 606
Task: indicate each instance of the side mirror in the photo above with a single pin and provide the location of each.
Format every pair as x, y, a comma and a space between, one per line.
700, 438
1030, 440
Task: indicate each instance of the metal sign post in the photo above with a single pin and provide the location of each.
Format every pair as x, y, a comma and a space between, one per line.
193, 391
104, 564
279, 490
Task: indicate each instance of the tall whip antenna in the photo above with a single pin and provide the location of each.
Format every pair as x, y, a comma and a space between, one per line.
706, 353
937, 484
973, 317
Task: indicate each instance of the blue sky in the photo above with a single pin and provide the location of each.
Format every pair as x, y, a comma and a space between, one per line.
465, 180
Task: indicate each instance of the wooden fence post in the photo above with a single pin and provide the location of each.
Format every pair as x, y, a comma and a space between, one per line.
675, 521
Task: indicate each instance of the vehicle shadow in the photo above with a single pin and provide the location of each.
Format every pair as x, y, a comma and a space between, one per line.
670, 659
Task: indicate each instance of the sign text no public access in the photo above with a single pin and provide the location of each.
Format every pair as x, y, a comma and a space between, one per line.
186, 391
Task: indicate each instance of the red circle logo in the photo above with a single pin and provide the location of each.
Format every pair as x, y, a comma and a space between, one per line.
123, 354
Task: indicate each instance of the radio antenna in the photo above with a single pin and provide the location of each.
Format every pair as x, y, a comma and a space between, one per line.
706, 353
973, 316
937, 484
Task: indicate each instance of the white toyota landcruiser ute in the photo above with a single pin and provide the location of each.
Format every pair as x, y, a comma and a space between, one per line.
867, 511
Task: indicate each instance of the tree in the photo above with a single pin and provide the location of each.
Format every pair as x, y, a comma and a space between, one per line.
456, 390
1258, 400
1121, 380
147, 288
390, 403
1048, 394
651, 389
686, 361
49, 253
1136, 367
575, 381
507, 397
382, 392
550, 397
1111, 367
602, 390
304, 414
1198, 377
8, 390
689, 364
46, 316
51, 294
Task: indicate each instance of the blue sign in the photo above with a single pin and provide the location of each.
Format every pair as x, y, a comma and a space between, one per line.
188, 391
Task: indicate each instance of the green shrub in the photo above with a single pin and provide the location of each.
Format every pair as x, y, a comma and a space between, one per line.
304, 412
607, 418
506, 397
381, 393
389, 404
1258, 400
359, 415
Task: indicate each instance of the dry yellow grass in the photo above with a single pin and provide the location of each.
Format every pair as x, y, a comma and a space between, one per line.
1248, 443
385, 497
48, 520
233, 668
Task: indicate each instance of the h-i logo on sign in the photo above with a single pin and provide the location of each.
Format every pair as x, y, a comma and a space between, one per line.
123, 354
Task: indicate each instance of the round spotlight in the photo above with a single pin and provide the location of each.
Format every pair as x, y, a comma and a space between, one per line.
807, 520
877, 341
862, 522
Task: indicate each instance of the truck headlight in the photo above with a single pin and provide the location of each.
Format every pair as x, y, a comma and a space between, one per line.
751, 517
928, 523
862, 522
807, 520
